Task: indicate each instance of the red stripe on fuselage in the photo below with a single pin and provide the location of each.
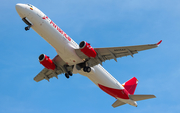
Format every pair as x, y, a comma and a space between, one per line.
117, 93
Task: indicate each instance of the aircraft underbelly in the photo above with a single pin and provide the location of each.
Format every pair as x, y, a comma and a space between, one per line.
55, 39
99, 75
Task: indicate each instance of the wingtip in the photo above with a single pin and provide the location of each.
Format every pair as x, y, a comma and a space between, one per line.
159, 43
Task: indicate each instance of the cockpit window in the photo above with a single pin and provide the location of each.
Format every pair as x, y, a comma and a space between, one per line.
30, 5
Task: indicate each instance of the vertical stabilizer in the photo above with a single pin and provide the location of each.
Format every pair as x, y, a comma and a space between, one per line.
130, 85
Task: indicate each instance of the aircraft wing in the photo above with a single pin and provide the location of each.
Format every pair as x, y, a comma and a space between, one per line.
104, 54
48, 73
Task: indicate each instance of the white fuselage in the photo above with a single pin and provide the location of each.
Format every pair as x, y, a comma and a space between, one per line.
65, 46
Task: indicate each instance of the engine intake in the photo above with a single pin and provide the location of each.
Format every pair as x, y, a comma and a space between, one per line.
46, 62
87, 49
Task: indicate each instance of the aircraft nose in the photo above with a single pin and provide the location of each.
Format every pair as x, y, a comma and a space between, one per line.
20, 8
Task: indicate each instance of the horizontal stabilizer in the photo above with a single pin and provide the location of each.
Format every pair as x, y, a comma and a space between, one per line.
118, 103
141, 97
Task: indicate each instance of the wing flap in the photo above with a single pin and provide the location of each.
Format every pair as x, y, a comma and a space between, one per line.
47, 74
44, 74
125, 49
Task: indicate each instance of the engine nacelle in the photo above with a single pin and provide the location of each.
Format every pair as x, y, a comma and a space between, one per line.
87, 49
46, 62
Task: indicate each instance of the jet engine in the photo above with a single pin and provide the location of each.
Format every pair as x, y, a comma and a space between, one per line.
46, 62
87, 49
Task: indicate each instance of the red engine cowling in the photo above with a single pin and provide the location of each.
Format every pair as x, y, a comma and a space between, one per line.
87, 49
46, 62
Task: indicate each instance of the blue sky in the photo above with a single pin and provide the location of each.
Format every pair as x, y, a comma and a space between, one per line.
103, 23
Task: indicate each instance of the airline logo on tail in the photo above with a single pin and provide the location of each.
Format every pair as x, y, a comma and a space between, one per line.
130, 85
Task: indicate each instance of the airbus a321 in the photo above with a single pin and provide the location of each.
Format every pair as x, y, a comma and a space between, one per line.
83, 59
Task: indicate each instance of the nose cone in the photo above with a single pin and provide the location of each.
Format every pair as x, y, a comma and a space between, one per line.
20, 8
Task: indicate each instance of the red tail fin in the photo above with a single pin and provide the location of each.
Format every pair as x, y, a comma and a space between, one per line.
130, 85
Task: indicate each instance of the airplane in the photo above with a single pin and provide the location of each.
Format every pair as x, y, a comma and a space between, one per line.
72, 58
